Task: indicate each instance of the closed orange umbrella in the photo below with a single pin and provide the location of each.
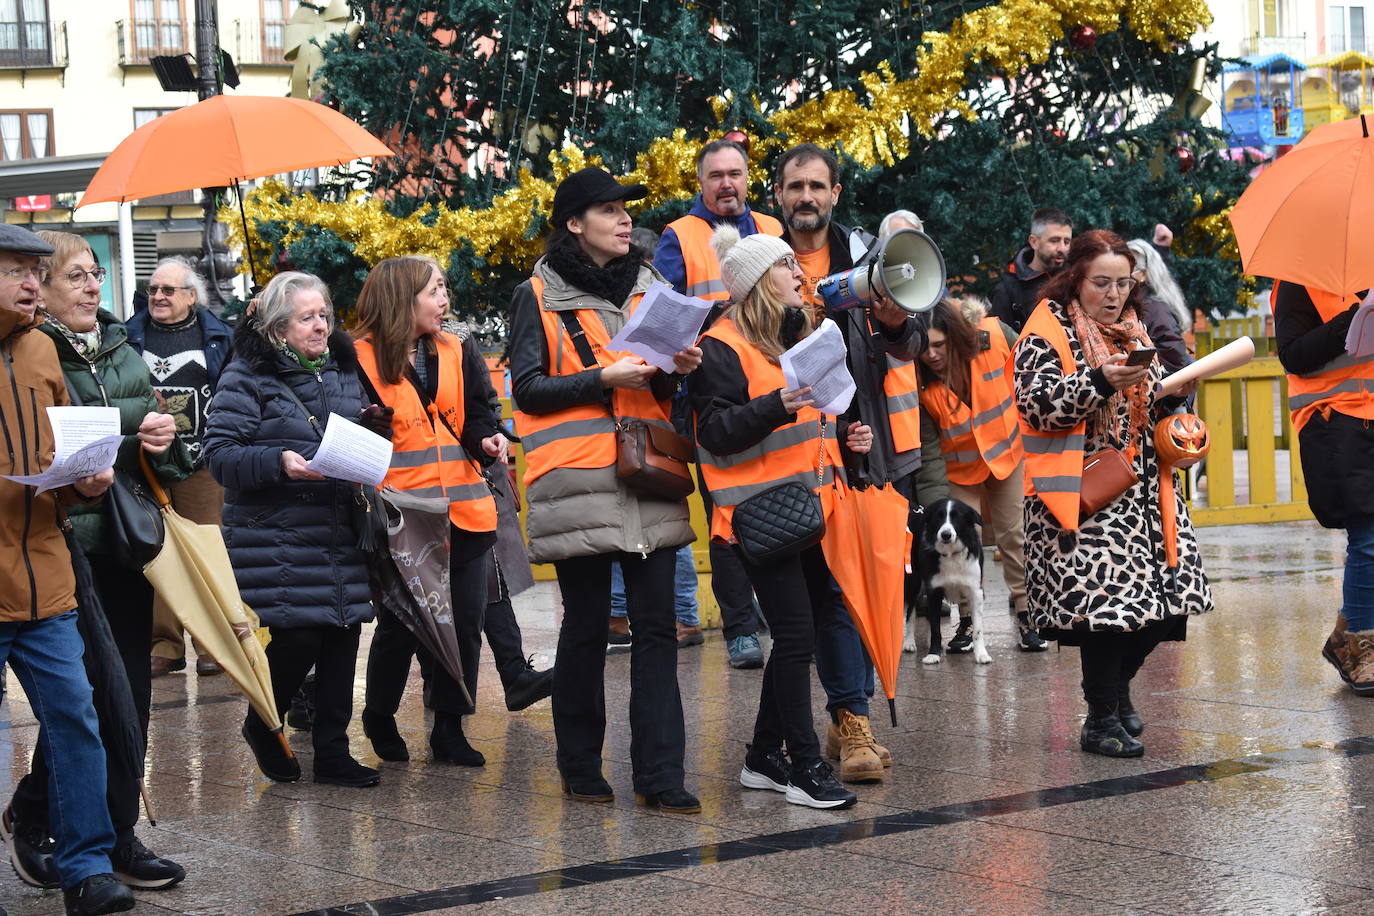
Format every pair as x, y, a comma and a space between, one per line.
1309, 216
227, 139
864, 544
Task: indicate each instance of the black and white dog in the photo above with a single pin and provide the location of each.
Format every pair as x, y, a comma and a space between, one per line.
947, 557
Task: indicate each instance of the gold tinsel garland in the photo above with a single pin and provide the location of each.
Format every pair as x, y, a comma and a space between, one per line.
872, 132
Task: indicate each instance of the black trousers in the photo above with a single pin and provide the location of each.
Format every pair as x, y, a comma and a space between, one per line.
1111, 660
729, 581
333, 652
393, 645
503, 637
794, 594
128, 601
658, 738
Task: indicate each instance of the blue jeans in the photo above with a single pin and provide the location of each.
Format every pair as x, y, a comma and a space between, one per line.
1359, 577
46, 657
842, 664
684, 589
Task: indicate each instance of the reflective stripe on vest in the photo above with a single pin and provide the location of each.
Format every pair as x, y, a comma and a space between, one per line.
699, 258
903, 396
790, 452
1054, 458
988, 441
1345, 384
426, 459
582, 436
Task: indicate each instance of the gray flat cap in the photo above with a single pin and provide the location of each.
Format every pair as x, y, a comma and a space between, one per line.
21, 241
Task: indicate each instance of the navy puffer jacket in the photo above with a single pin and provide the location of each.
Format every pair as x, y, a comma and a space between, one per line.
292, 542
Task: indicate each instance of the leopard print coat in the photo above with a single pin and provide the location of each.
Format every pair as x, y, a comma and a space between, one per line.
1110, 575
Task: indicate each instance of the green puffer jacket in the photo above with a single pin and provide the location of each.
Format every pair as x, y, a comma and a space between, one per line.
115, 377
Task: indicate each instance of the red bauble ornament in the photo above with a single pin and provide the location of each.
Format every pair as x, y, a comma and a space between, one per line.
738, 136
1083, 37
1185, 158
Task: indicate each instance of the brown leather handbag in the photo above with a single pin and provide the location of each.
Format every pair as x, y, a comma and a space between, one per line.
1106, 475
653, 460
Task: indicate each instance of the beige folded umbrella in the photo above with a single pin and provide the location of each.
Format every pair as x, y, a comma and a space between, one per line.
194, 577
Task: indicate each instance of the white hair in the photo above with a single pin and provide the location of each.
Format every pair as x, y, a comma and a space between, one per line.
1160, 283
193, 277
277, 303
885, 227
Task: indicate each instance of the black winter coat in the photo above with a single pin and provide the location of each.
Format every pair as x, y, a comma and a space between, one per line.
1018, 292
292, 542
1335, 448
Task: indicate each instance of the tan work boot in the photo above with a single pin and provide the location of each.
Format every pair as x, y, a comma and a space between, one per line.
832, 746
859, 760
1353, 656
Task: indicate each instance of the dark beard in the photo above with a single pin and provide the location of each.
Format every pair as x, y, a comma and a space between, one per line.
794, 221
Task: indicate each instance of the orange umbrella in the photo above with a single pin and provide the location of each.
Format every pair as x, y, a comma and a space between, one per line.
227, 139
865, 534
1308, 217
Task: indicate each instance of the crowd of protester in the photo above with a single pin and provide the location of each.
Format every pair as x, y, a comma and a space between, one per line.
996, 405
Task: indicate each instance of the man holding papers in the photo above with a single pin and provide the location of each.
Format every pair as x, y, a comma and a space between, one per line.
292, 532
38, 635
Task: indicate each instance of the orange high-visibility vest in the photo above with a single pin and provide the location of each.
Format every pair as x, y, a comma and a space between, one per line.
426, 457
699, 258
1054, 459
1345, 384
903, 395
582, 436
790, 452
983, 438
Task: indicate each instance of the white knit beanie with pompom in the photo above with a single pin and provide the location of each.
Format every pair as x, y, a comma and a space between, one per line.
744, 261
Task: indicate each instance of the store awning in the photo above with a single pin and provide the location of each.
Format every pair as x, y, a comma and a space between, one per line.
49, 175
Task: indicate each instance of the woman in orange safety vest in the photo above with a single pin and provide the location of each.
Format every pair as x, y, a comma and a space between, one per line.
442, 431
966, 392
1102, 581
571, 392
754, 433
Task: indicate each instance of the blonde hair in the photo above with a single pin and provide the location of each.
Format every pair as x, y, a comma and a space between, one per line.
65, 247
759, 318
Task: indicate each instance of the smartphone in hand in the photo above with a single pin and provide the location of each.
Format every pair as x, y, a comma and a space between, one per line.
1141, 356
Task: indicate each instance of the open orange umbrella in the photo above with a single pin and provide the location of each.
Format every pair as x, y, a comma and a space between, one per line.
227, 139
865, 536
1309, 216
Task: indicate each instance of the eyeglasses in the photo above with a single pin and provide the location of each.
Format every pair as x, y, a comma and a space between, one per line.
1123, 285
76, 278
20, 273
166, 290
788, 261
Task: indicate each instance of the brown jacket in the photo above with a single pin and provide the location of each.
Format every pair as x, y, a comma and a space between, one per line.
36, 578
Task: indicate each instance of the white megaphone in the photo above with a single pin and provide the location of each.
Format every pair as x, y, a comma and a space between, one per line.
905, 266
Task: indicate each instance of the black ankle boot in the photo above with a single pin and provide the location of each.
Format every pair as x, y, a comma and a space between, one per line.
1126, 711
1105, 736
386, 739
448, 745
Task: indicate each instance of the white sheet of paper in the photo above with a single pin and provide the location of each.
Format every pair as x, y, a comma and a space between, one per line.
819, 361
666, 322
85, 441
352, 452
1359, 340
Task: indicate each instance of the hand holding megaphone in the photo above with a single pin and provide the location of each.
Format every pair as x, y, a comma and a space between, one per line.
904, 268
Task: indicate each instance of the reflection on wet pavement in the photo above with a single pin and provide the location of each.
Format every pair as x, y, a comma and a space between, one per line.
1251, 797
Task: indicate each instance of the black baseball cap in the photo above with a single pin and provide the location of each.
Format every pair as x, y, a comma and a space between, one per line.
590, 186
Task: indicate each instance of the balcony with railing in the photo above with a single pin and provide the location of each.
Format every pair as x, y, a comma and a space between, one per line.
33, 45
1342, 42
140, 40
1294, 46
260, 42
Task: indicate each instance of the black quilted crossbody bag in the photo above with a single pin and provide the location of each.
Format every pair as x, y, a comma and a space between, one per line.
781, 521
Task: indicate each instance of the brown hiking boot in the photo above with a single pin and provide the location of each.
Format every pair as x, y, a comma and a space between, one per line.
1335, 650
859, 761
1356, 661
618, 633
832, 746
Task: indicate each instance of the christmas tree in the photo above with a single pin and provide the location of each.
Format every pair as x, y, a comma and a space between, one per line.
971, 113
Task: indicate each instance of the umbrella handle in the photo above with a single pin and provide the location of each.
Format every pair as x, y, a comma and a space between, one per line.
159, 493
285, 745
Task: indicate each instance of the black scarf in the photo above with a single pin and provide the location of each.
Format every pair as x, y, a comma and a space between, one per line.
614, 282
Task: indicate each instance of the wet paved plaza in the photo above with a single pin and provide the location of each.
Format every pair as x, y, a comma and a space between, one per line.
1252, 796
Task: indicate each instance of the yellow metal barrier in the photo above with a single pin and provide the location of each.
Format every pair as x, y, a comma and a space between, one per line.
1246, 410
